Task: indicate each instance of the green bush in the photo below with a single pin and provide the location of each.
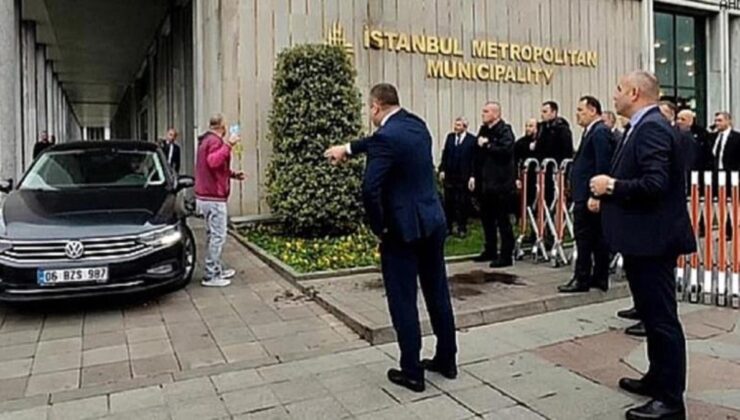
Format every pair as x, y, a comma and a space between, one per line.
315, 105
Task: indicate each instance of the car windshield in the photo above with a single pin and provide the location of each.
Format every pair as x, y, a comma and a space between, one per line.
94, 168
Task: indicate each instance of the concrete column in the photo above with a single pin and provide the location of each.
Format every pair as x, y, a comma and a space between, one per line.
725, 58
734, 87
49, 97
9, 87
28, 63
648, 35
41, 116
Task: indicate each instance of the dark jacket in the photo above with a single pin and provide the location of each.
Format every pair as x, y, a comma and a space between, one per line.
593, 158
647, 215
731, 156
522, 151
457, 161
398, 190
39, 147
172, 154
702, 149
555, 140
493, 166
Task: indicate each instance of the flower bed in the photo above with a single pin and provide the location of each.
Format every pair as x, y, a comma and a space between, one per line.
343, 252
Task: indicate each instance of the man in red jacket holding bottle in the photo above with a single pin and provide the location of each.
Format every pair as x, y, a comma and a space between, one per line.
213, 177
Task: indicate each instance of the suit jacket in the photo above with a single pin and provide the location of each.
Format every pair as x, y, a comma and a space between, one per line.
399, 191
172, 154
593, 158
647, 215
731, 157
39, 147
493, 165
457, 161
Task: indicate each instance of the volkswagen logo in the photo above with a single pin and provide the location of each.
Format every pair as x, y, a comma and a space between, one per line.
74, 250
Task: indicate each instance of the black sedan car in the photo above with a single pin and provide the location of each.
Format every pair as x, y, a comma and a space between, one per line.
93, 219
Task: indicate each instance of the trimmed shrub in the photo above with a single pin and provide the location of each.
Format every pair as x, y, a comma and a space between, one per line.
316, 104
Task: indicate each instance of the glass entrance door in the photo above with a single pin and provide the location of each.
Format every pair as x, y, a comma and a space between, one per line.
680, 61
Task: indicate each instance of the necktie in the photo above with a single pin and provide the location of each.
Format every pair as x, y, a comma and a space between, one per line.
720, 150
457, 141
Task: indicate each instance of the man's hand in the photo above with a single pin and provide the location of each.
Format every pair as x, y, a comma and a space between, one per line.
471, 184
600, 185
233, 140
482, 141
441, 177
240, 175
336, 154
594, 205
518, 184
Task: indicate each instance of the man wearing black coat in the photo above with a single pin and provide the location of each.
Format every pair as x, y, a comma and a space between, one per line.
42, 144
494, 182
172, 150
523, 150
554, 141
455, 170
593, 157
645, 218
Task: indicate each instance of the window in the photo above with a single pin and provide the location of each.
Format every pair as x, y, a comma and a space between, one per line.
680, 60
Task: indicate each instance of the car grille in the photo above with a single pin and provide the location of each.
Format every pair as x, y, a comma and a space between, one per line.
94, 249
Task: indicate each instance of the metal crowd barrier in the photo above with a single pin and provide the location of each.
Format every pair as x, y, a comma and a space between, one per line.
712, 274
549, 221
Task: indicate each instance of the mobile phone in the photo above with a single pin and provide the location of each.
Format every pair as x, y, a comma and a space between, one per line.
234, 129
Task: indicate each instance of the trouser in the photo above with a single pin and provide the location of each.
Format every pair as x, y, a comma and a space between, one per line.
592, 263
457, 203
215, 216
653, 291
495, 217
401, 263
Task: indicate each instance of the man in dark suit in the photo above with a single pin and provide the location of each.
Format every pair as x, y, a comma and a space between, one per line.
454, 172
523, 150
725, 145
643, 205
42, 144
494, 182
405, 212
593, 158
172, 150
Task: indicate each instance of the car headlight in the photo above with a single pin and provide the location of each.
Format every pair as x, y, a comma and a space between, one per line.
161, 238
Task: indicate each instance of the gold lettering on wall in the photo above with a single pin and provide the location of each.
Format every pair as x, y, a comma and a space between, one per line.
525, 63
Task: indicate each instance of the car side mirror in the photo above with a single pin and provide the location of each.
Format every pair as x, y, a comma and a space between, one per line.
184, 182
6, 186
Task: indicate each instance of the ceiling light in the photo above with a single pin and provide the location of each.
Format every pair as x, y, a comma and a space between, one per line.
687, 48
657, 45
691, 74
689, 63
663, 60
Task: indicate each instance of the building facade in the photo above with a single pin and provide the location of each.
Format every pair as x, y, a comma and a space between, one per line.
198, 57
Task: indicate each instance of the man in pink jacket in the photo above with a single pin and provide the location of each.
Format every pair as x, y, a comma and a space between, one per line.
213, 177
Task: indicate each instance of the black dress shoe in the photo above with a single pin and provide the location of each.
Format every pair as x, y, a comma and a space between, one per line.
399, 378
501, 263
575, 285
448, 371
637, 330
657, 410
630, 313
484, 257
636, 386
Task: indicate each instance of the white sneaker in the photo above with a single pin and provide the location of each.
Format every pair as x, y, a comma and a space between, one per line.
217, 282
228, 273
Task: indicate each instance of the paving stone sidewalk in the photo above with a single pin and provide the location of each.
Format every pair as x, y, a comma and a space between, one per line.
259, 320
561, 365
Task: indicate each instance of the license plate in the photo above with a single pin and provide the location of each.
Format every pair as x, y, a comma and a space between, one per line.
73, 275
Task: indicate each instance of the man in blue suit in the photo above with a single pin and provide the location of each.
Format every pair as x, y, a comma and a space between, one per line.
455, 170
644, 215
406, 214
592, 158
